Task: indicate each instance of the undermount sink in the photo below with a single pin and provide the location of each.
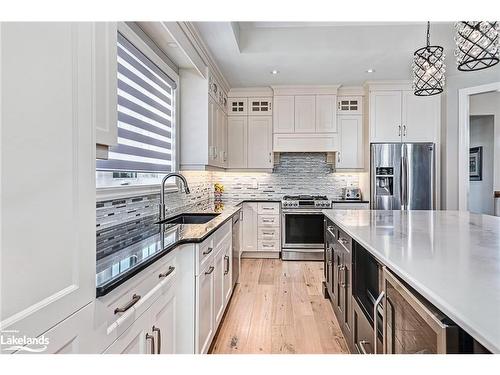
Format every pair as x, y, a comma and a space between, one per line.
189, 219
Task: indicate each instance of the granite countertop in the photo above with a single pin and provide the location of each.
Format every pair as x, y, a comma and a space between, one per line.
451, 258
126, 249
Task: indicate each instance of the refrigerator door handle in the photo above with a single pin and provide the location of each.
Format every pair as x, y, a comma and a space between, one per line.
404, 179
402, 186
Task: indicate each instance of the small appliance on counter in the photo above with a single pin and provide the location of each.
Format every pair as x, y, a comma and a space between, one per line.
351, 194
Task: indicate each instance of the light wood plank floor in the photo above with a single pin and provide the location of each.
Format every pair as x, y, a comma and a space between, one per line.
278, 307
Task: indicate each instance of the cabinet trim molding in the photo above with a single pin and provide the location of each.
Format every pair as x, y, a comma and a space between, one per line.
305, 90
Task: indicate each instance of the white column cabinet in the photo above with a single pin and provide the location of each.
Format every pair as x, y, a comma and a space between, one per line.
284, 114
260, 142
350, 155
305, 114
249, 227
47, 174
420, 117
326, 113
237, 141
104, 82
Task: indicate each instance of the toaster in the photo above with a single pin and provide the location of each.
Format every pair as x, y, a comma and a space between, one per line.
351, 194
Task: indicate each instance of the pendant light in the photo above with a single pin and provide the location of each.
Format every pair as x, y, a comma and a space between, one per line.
477, 44
428, 69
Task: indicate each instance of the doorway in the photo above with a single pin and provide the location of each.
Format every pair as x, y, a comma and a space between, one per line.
479, 148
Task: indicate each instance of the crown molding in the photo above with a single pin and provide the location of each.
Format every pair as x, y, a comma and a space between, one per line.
196, 40
243, 92
305, 89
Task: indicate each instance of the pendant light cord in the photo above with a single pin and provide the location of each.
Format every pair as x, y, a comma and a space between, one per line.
428, 34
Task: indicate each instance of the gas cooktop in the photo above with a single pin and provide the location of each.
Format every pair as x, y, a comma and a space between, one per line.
306, 201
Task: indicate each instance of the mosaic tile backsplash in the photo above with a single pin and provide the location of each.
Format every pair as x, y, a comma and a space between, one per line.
297, 173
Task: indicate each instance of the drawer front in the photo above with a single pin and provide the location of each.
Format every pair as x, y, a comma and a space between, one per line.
221, 233
205, 251
117, 310
269, 233
268, 208
344, 240
269, 220
362, 331
268, 245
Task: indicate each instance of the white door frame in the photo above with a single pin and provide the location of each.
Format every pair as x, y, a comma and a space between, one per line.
463, 139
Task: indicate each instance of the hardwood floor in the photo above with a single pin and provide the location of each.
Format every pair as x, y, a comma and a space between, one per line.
278, 307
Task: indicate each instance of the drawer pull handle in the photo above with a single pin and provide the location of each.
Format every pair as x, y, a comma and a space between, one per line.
132, 302
152, 338
210, 270
362, 344
165, 274
226, 259
208, 251
268, 208
158, 331
268, 233
268, 221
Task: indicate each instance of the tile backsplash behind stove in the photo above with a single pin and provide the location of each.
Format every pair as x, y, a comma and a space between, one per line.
297, 173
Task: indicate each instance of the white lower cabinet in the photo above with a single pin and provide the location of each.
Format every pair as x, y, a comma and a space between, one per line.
218, 285
205, 308
249, 227
261, 229
164, 322
227, 280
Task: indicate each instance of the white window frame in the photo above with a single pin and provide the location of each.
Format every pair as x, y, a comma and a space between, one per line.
113, 192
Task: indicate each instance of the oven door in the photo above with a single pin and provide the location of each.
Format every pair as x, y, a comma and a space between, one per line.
303, 229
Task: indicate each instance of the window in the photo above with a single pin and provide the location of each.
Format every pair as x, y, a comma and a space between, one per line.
146, 122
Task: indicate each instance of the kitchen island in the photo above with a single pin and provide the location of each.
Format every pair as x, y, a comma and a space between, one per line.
451, 258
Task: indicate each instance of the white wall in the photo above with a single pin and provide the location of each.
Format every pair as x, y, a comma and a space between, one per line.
481, 192
449, 163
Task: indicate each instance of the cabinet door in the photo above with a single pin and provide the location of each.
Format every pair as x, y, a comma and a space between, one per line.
350, 155
221, 136
104, 82
237, 141
249, 227
260, 106
48, 137
385, 116
137, 339
205, 307
305, 114
218, 285
260, 142
284, 114
228, 271
238, 106
421, 117
164, 322
212, 132
326, 113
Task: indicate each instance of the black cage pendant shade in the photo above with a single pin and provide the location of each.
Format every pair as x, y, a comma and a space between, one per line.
428, 69
477, 44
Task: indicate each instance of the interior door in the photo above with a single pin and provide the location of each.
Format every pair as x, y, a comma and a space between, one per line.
260, 142
419, 167
385, 116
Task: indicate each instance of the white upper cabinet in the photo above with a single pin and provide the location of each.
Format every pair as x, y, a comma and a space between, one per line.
48, 174
305, 114
238, 107
326, 113
237, 141
401, 116
385, 116
260, 142
350, 105
350, 155
421, 117
284, 114
104, 82
260, 106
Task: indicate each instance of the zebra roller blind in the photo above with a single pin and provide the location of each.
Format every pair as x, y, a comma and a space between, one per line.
145, 115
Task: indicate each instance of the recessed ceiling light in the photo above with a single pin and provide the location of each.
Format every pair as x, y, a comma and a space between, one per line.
274, 71
370, 70
172, 44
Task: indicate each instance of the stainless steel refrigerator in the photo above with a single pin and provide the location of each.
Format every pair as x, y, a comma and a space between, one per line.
402, 176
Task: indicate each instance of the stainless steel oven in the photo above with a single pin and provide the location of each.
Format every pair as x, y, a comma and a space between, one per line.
302, 235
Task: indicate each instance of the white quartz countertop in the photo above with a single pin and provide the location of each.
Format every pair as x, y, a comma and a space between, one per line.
452, 258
